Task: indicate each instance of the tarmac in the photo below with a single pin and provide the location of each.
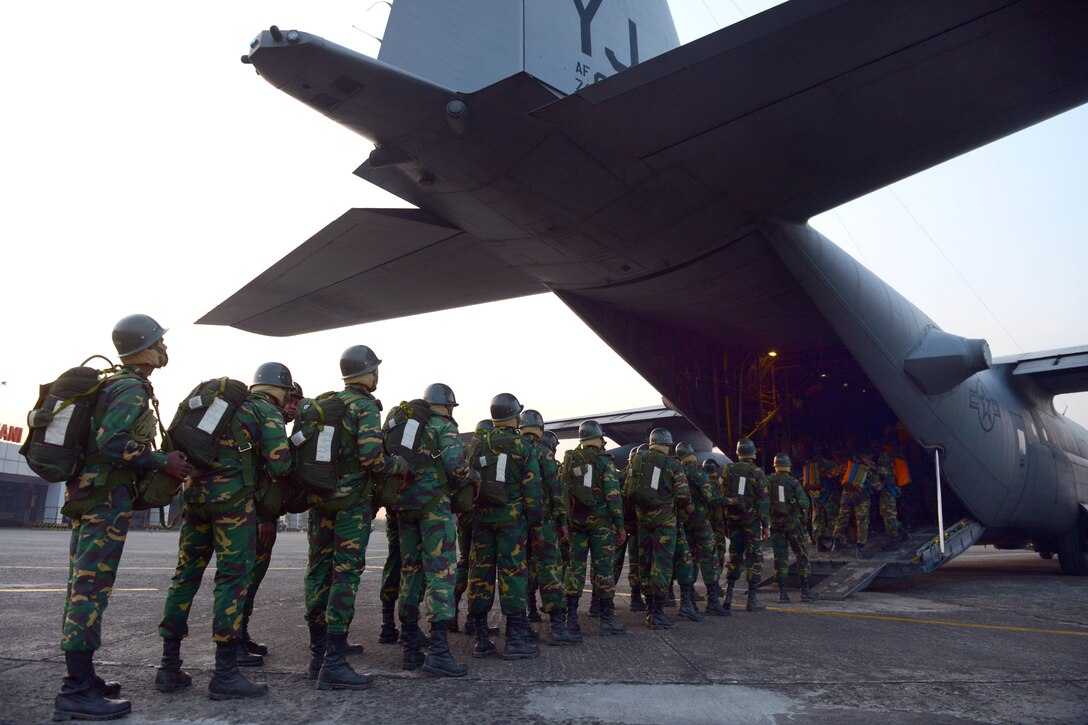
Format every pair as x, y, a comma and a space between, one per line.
992, 637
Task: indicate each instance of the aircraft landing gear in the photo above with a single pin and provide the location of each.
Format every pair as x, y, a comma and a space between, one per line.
1072, 549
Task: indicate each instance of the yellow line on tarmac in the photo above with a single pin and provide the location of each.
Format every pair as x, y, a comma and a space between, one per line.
20, 591
967, 625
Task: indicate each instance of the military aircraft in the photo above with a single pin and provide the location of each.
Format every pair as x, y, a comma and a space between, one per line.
575, 148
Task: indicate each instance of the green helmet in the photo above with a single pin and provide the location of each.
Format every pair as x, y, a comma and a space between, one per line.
642, 447
485, 424
296, 390
589, 430
531, 419
505, 406
440, 394
358, 360
660, 437
135, 333
684, 449
711, 466
746, 448
782, 461
273, 373
551, 440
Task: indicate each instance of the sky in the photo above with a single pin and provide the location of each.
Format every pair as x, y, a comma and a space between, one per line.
147, 170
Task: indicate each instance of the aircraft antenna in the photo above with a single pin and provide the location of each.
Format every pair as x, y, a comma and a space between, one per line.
955, 269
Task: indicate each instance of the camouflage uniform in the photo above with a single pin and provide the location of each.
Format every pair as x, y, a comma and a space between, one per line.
547, 569
789, 507
697, 531
500, 531
339, 528
100, 502
855, 500
825, 500
885, 484
717, 524
657, 530
593, 527
220, 516
427, 543
747, 515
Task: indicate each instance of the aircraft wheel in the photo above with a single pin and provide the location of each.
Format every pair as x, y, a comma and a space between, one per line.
1073, 551
1048, 555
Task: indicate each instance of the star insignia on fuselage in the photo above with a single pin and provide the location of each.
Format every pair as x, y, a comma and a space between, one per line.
987, 407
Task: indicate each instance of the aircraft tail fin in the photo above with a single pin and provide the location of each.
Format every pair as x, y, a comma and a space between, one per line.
470, 44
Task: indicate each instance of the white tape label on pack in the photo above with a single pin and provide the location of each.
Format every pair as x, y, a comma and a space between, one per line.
324, 444
298, 438
655, 481
587, 479
740, 486
195, 402
411, 430
781, 494
213, 415
58, 427
500, 468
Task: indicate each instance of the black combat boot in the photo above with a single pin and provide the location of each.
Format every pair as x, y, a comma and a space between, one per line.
595, 605
439, 660
413, 646
861, 551
534, 613
714, 601
655, 616
319, 638
227, 682
807, 594
696, 596
254, 648
728, 603
572, 616
518, 646
484, 646
336, 673
389, 634
637, 604
452, 625
559, 635
110, 688
609, 625
783, 595
245, 658
670, 599
170, 676
753, 604
78, 698
688, 610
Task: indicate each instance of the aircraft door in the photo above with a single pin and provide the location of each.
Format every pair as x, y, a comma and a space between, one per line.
1020, 450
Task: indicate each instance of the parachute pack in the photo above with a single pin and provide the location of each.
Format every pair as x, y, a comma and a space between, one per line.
315, 440
652, 478
493, 462
203, 417
60, 423
741, 478
579, 471
782, 498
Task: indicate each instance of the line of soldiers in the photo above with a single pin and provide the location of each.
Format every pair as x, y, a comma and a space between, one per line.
518, 510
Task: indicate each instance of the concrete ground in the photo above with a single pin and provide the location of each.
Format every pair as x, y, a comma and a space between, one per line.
993, 637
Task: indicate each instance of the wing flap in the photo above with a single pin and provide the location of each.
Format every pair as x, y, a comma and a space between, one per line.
1058, 372
369, 265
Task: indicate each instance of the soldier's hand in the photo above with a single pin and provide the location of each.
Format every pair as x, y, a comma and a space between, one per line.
690, 508
621, 536
564, 535
766, 533
176, 466
266, 532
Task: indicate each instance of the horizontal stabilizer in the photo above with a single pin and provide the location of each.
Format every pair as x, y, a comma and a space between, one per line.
369, 265
1055, 371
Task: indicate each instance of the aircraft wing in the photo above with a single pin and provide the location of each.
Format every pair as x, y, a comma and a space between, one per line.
368, 265
624, 426
1055, 371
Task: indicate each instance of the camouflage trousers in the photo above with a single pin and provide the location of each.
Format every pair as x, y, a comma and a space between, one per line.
889, 511
498, 552
546, 569
721, 539
782, 540
261, 559
391, 570
232, 538
464, 553
630, 550
683, 570
600, 545
824, 514
94, 553
745, 551
337, 558
657, 551
428, 560
860, 509
701, 541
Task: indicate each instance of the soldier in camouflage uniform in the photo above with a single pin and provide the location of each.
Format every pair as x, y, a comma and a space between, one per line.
789, 508
717, 525
508, 505
427, 532
464, 541
339, 528
545, 556
220, 517
596, 524
630, 547
697, 528
887, 488
99, 503
659, 488
825, 490
747, 513
855, 500
391, 578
